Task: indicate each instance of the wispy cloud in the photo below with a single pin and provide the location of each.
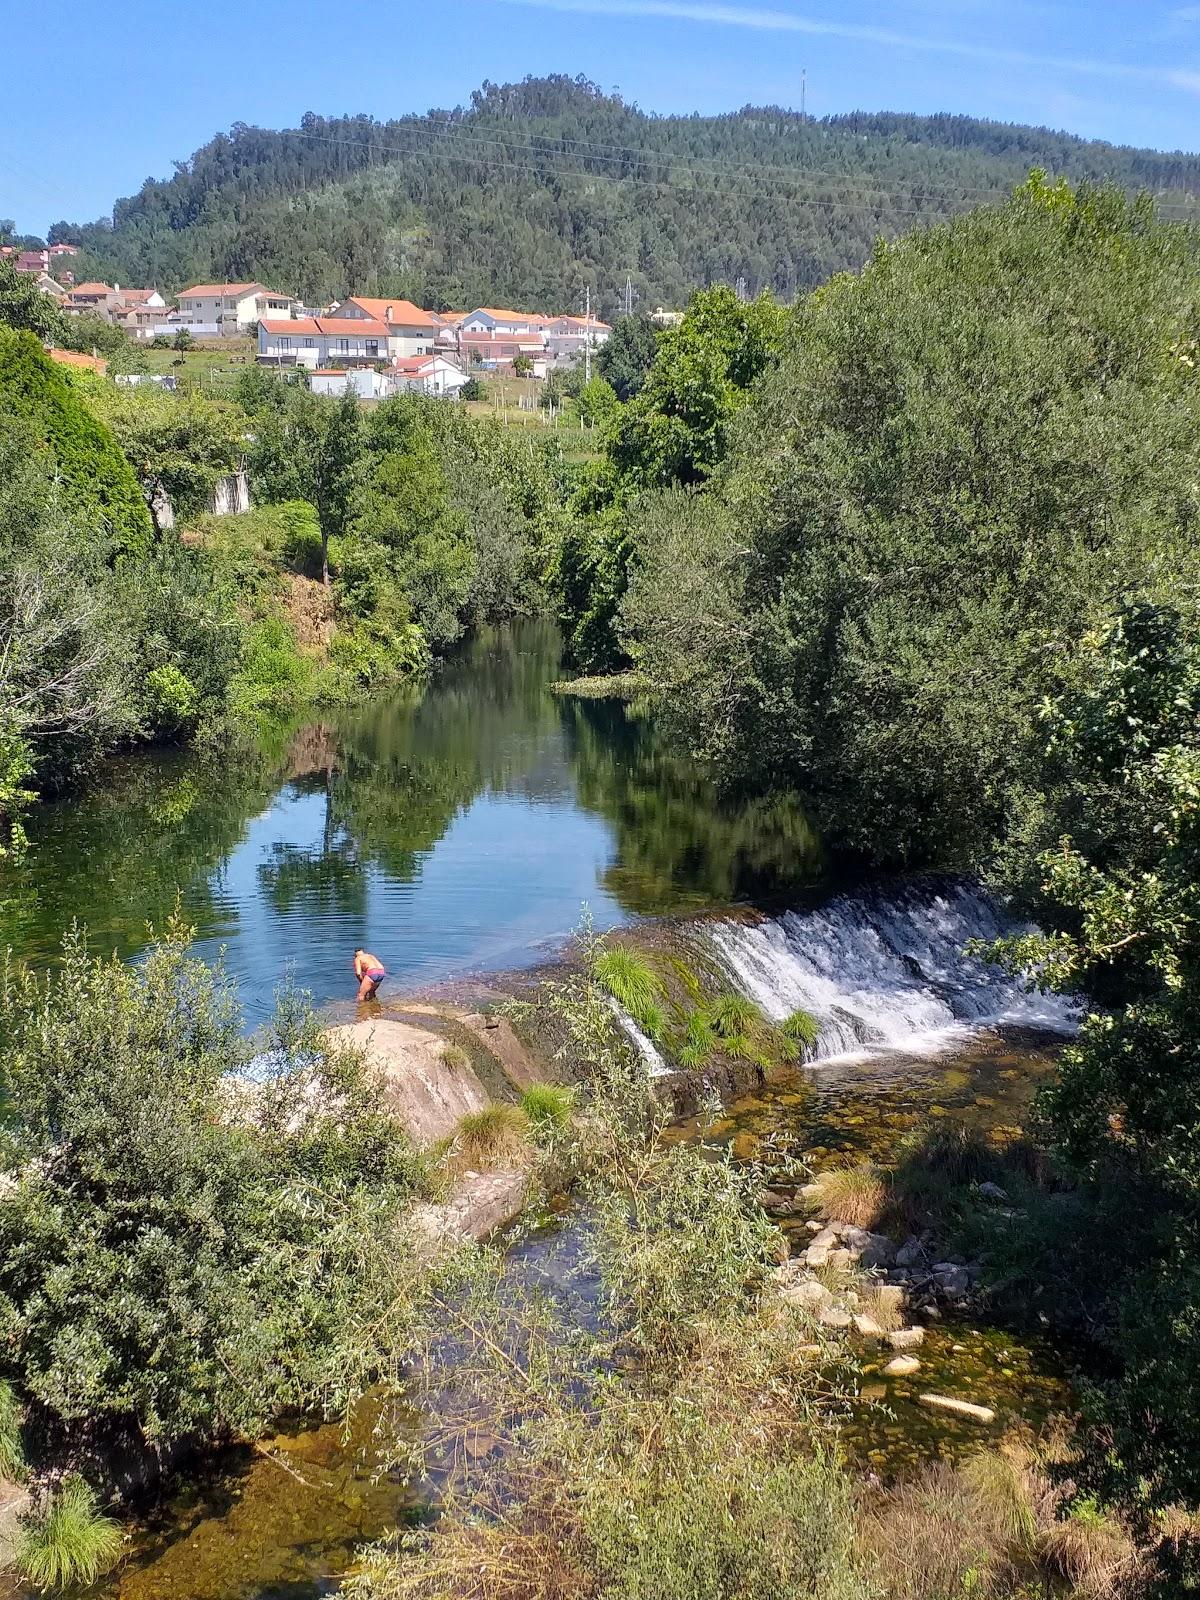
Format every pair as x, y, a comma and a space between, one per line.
1186, 14
775, 21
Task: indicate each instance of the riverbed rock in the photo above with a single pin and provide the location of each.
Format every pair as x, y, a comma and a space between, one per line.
890, 1298
841, 1258
426, 1092
953, 1279
910, 1252
867, 1326
906, 1338
817, 1255
993, 1191
832, 1316
829, 1236
810, 1296
960, 1408
901, 1367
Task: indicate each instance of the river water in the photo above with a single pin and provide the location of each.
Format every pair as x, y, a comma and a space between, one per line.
458, 831
451, 831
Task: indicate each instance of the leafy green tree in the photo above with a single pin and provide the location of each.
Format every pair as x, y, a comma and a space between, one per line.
1109, 860
185, 1252
522, 365
183, 340
179, 445
339, 447
23, 305
597, 402
966, 452
94, 477
676, 429
626, 356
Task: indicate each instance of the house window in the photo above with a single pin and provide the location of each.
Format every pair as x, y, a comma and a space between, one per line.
310, 344
372, 347
343, 347
285, 343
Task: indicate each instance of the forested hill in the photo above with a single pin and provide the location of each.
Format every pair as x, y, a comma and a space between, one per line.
538, 188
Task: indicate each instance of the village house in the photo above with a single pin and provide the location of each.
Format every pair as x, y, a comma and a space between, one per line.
52, 287
365, 382
321, 342
91, 297
429, 374
568, 337
490, 320
215, 310
410, 331
495, 352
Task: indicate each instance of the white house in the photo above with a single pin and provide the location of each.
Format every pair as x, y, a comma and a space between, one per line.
321, 342
230, 308
410, 331
569, 336
491, 320
365, 382
432, 374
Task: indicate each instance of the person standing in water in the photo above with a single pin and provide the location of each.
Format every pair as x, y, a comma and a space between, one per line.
370, 972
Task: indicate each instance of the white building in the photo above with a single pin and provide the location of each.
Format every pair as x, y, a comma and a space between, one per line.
410, 331
496, 322
229, 308
365, 382
567, 337
321, 342
432, 374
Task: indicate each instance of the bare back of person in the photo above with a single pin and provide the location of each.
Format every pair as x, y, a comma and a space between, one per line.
370, 972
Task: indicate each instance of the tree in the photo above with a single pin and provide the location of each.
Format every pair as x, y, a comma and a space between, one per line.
676, 429
25, 306
183, 340
339, 446
187, 1250
1109, 860
96, 481
522, 365
179, 445
626, 356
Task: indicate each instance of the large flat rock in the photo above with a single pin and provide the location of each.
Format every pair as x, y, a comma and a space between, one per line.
427, 1093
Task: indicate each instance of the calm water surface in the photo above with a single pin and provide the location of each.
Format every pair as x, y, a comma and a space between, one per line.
454, 830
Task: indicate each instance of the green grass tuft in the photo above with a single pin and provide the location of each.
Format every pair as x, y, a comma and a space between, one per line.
633, 983
548, 1106
734, 1017
497, 1136
696, 1041
802, 1028
70, 1542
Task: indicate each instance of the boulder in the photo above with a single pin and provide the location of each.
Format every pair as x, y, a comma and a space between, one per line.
953, 1280
867, 1326
827, 1236
960, 1408
993, 1191
842, 1259
817, 1255
901, 1367
808, 1296
832, 1316
906, 1338
910, 1252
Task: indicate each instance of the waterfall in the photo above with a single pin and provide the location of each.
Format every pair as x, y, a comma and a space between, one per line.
884, 969
642, 1043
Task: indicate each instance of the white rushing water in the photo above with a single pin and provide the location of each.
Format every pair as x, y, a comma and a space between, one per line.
884, 969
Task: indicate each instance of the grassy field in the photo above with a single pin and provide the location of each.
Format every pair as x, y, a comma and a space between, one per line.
210, 363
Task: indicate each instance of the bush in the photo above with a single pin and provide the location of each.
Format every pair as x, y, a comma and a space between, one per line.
221, 1245
69, 1542
632, 982
171, 701
12, 1454
858, 1195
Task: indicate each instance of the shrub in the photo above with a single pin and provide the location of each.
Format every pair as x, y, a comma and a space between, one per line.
858, 1195
548, 1106
696, 1041
497, 1136
273, 676
171, 701
734, 1017
70, 1541
222, 1244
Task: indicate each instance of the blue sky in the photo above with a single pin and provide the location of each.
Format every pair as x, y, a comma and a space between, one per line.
106, 98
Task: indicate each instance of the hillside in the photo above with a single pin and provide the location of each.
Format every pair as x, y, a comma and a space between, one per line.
538, 188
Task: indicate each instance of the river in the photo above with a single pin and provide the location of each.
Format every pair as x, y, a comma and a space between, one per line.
458, 831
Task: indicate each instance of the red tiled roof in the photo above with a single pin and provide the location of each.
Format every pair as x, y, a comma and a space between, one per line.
403, 312
90, 288
414, 363
329, 326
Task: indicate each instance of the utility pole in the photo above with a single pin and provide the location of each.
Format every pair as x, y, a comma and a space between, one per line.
587, 335
629, 294
803, 90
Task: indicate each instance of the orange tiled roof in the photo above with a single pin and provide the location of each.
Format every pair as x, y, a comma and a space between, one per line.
207, 290
404, 313
91, 288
